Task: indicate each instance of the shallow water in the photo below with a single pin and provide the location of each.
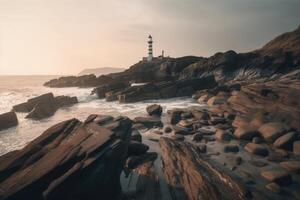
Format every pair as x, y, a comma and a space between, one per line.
17, 89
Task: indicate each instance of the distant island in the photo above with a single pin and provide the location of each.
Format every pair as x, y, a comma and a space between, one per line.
100, 71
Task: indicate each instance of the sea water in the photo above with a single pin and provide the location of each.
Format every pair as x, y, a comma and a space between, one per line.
17, 89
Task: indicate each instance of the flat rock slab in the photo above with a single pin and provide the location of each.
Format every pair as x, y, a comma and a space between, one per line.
149, 122
57, 163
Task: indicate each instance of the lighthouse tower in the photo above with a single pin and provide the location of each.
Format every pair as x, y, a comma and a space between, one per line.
150, 49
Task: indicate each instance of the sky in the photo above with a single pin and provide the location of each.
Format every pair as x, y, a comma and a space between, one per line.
66, 36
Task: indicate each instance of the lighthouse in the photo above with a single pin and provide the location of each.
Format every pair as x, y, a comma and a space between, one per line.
150, 49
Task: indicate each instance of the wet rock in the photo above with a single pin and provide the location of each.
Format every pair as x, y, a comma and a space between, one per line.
258, 163
222, 135
42, 110
55, 164
204, 98
22, 107
149, 122
8, 120
238, 160
291, 166
256, 149
197, 137
175, 117
229, 116
214, 101
273, 130
200, 115
201, 148
186, 115
217, 120
109, 89
137, 148
138, 126
278, 176
181, 130
286, 141
134, 161
61, 101
245, 133
178, 137
157, 132
207, 130
231, 148
296, 148
184, 167
168, 129
185, 123
223, 126
240, 121
274, 187
257, 140
136, 136
154, 110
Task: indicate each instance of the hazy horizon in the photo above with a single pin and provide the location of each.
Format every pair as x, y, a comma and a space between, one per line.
63, 37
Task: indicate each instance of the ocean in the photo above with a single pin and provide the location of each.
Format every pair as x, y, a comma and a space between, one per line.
17, 89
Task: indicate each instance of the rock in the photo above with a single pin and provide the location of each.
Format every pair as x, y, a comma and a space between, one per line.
137, 148
178, 137
223, 126
44, 105
238, 160
186, 115
291, 166
274, 187
257, 140
231, 148
286, 141
245, 133
240, 121
217, 120
273, 130
185, 123
207, 130
134, 161
278, 176
181, 130
175, 117
256, 149
111, 96
184, 167
200, 115
258, 163
55, 164
22, 107
296, 148
229, 116
42, 110
138, 126
157, 132
222, 135
61, 101
204, 98
197, 137
154, 110
149, 122
168, 129
136, 136
215, 100
110, 89
201, 148
8, 120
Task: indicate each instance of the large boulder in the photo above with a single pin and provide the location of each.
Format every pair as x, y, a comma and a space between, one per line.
8, 120
113, 87
41, 111
71, 160
154, 109
61, 101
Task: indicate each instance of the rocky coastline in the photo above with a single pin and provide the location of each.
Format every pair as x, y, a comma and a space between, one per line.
243, 144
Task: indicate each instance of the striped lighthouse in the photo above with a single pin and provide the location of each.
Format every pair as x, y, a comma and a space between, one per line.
150, 49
